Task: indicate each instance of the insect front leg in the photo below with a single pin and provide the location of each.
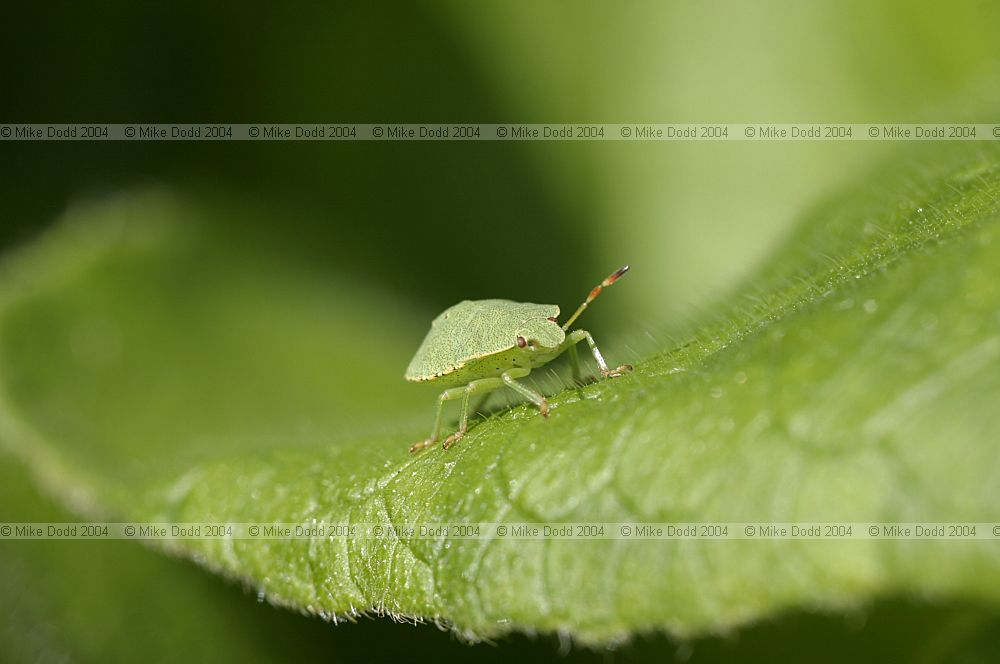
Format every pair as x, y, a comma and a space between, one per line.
576, 336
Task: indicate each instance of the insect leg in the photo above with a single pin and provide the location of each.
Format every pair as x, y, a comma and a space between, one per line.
475, 387
447, 395
525, 391
576, 336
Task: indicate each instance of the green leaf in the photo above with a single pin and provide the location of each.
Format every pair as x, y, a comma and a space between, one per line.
108, 600
154, 368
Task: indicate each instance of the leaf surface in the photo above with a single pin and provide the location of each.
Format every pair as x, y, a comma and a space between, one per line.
151, 369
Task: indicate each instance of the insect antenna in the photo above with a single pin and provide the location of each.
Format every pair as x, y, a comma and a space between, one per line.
610, 279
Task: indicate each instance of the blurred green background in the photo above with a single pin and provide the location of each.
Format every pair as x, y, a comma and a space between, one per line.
433, 223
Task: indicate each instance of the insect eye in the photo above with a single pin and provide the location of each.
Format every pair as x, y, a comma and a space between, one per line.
521, 343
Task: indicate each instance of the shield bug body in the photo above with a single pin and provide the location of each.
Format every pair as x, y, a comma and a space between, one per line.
479, 346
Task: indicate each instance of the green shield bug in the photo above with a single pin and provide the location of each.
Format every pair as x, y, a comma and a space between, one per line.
479, 346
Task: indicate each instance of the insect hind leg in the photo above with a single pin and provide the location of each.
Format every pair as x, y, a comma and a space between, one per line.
475, 387
447, 395
464, 393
